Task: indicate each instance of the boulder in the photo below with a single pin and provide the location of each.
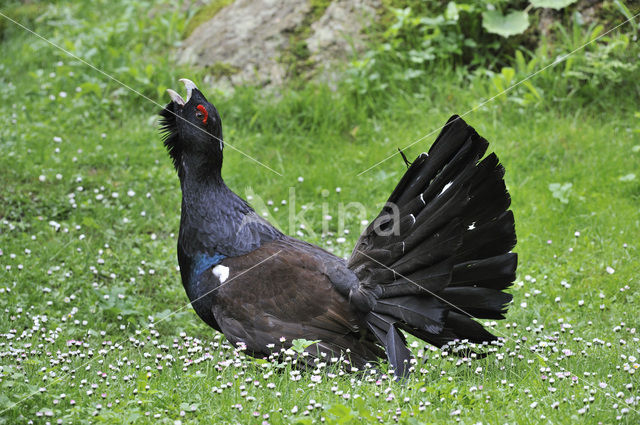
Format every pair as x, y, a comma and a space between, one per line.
245, 41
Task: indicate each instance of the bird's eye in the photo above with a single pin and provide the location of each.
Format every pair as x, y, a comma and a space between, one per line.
202, 114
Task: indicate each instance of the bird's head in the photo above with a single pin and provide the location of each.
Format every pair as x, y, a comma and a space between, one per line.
192, 128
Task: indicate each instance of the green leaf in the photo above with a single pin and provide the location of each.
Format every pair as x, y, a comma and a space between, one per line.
508, 73
521, 63
628, 177
299, 345
552, 4
532, 89
498, 82
451, 13
561, 191
90, 222
627, 14
364, 410
341, 413
91, 88
189, 407
505, 25
5, 402
8, 384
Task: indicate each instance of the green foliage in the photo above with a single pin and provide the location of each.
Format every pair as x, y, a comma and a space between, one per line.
26, 13
513, 23
507, 88
622, 7
358, 413
446, 33
467, 33
573, 62
414, 41
420, 34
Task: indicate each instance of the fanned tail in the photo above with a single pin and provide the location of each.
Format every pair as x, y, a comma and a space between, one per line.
439, 254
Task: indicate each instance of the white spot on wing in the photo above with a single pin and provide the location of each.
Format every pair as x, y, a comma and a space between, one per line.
221, 272
413, 217
422, 199
446, 186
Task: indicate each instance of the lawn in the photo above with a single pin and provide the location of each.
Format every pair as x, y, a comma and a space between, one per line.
97, 328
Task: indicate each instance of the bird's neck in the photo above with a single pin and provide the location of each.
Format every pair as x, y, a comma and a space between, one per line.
205, 196
200, 172
211, 212
214, 220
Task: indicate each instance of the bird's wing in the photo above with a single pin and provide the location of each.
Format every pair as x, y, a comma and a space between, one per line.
281, 290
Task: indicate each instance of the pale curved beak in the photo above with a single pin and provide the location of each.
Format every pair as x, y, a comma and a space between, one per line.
176, 97
189, 85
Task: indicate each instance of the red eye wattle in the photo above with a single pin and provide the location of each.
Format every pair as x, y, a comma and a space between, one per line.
204, 111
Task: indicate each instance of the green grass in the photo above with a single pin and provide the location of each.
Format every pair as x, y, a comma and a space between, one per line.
89, 256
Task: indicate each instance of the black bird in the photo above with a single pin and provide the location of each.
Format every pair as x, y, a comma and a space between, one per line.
437, 256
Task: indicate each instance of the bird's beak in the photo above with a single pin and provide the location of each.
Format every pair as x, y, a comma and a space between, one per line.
176, 97
189, 85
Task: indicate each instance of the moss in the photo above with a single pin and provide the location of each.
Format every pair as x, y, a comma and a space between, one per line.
204, 14
318, 8
297, 57
222, 69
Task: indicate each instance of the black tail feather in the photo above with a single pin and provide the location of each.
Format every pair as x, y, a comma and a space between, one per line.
384, 328
425, 313
397, 351
422, 282
448, 259
431, 250
458, 327
490, 239
481, 303
497, 272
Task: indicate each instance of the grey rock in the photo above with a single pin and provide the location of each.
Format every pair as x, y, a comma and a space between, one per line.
250, 36
247, 35
339, 31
